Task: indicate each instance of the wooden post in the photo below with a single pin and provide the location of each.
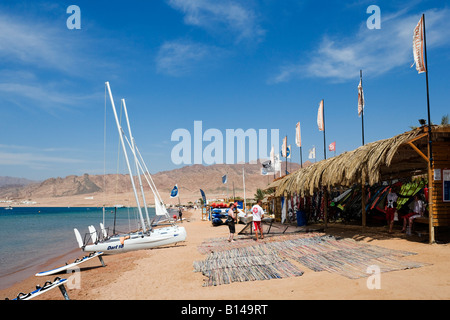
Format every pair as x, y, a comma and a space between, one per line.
325, 207
430, 195
363, 204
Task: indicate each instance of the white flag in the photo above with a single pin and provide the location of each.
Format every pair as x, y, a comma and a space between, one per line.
360, 99
272, 156
284, 148
298, 137
312, 153
418, 47
288, 152
320, 117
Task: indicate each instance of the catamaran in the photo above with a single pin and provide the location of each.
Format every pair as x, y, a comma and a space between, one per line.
148, 236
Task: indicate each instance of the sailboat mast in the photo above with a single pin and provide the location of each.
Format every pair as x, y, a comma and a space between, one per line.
119, 128
133, 149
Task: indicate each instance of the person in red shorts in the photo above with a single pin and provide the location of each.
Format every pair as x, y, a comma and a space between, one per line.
391, 204
258, 214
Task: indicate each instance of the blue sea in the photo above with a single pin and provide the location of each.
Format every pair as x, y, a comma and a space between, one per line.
34, 238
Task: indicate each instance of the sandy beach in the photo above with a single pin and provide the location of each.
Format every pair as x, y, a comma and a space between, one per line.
167, 273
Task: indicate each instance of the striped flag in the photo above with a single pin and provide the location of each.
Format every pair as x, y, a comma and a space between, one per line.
320, 117
360, 98
418, 47
298, 137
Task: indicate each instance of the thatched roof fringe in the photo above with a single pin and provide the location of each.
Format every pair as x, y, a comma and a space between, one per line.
355, 167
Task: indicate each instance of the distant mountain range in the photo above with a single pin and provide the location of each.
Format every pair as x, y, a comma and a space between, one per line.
111, 189
14, 182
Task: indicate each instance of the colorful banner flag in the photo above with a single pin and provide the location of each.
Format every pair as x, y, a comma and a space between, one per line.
360, 98
312, 153
288, 152
320, 123
203, 196
332, 146
224, 179
298, 136
284, 148
418, 47
174, 192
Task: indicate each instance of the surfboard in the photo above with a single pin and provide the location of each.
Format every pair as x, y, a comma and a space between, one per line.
57, 283
72, 265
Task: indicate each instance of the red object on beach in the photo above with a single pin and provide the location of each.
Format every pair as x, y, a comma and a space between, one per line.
174, 216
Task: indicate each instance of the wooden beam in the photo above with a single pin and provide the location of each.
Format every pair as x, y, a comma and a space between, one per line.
418, 151
419, 137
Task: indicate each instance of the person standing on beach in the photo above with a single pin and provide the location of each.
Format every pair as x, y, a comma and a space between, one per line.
391, 205
180, 214
231, 220
258, 214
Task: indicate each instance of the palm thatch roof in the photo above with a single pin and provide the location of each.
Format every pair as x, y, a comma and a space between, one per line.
372, 163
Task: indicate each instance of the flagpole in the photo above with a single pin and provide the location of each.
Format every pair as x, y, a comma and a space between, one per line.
430, 150
324, 143
428, 93
301, 160
362, 111
285, 171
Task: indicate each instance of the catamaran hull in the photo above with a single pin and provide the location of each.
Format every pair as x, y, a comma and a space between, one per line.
157, 238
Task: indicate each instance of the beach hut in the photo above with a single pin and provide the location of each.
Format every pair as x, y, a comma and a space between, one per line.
404, 155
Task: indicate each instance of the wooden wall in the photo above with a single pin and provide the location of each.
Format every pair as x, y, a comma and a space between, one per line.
441, 160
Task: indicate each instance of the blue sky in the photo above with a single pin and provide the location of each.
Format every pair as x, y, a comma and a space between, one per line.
230, 64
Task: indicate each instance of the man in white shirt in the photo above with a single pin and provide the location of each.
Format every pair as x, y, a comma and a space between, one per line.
258, 214
391, 205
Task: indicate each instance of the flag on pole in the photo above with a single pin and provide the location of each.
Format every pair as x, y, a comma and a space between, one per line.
312, 153
332, 146
298, 137
272, 155
284, 148
418, 47
174, 192
203, 196
320, 117
224, 179
360, 98
288, 152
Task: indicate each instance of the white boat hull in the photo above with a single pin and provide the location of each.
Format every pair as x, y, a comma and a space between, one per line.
156, 238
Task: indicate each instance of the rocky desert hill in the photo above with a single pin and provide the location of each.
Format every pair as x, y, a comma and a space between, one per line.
111, 189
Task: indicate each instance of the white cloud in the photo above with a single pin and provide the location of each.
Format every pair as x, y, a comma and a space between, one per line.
223, 16
181, 57
47, 98
374, 51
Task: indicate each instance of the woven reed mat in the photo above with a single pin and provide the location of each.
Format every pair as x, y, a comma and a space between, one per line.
270, 258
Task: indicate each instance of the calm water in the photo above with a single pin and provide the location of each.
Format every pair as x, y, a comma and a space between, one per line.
32, 236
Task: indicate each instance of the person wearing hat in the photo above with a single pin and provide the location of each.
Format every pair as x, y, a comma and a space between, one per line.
231, 220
